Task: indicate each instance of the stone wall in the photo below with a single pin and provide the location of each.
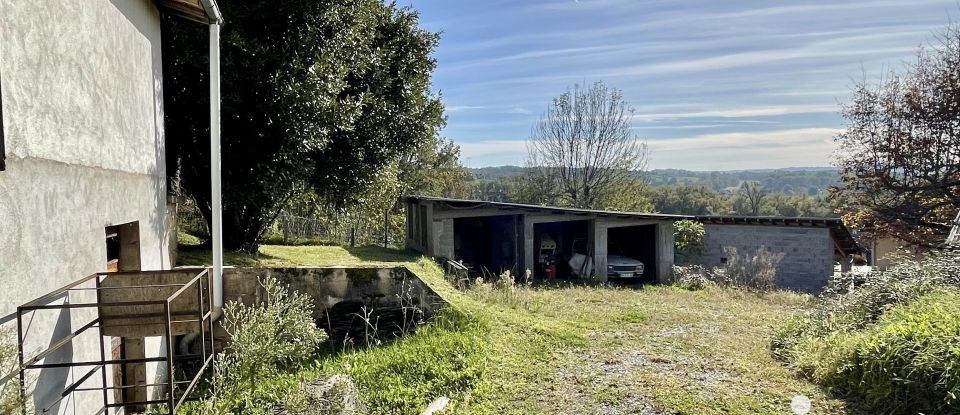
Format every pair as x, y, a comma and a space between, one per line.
808, 259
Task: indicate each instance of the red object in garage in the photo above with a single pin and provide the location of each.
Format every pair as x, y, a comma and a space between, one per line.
552, 271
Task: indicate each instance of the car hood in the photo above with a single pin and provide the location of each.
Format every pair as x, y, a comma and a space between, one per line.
622, 260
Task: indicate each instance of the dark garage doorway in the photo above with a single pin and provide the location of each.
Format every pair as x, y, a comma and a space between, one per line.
637, 242
488, 245
567, 235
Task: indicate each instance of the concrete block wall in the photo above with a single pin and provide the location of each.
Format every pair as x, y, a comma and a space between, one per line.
808, 259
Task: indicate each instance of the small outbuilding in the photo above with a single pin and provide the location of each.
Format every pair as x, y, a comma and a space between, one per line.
552, 242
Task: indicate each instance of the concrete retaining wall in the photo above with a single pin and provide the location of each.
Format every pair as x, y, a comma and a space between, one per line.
379, 289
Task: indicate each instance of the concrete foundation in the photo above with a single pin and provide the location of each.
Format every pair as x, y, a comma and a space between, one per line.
339, 293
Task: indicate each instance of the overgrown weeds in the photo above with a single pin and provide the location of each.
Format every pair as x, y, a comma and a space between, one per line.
269, 341
505, 290
889, 339
756, 272
445, 358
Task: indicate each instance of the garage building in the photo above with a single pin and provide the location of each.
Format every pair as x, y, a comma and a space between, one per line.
491, 237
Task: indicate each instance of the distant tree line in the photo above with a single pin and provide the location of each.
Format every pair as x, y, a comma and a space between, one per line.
811, 181
750, 199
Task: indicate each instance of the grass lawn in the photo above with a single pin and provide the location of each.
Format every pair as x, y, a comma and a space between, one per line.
565, 349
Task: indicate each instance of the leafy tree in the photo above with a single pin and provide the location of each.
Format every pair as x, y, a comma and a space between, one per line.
628, 196
583, 148
324, 94
899, 156
689, 200
434, 169
688, 237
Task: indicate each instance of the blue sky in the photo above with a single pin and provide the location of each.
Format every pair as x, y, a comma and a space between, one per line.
715, 85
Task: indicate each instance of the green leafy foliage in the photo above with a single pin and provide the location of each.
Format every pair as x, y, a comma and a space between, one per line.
911, 359
268, 342
889, 339
433, 169
688, 237
10, 400
320, 93
446, 357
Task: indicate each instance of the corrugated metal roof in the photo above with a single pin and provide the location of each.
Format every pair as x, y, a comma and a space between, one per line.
843, 239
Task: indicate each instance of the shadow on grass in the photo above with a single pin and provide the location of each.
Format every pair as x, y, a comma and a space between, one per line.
200, 255
381, 254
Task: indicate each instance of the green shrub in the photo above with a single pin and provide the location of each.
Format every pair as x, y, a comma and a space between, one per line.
269, 343
890, 339
855, 301
688, 237
10, 400
909, 362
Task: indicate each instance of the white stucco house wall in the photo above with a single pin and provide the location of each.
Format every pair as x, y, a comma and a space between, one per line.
83, 158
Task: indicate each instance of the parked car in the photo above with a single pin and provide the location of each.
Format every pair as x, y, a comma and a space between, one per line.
618, 265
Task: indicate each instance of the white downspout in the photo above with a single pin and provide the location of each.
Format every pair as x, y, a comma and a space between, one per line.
215, 202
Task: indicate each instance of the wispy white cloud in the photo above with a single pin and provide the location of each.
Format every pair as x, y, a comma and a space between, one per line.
516, 109
493, 152
461, 108
739, 112
699, 126
711, 73
719, 151
745, 150
746, 59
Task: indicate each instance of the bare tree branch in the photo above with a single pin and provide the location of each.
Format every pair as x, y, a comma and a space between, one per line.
582, 147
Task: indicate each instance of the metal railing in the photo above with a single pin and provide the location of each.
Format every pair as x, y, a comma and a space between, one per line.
173, 400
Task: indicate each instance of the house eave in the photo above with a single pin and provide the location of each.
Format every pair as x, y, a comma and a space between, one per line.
200, 11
